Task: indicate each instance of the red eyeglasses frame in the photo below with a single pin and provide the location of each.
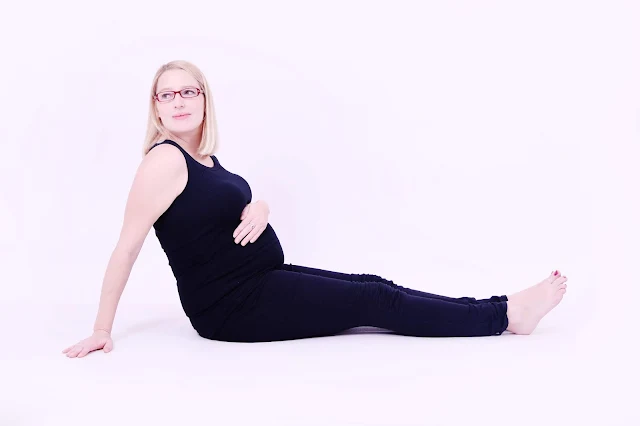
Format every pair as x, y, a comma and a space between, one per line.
175, 92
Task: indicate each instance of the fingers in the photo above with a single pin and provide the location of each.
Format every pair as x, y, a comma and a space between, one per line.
70, 349
257, 234
240, 235
245, 236
249, 235
85, 350
79, 351
74, 351
244, 228
253, 236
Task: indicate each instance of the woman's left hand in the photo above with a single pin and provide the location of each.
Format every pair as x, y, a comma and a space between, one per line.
253, 214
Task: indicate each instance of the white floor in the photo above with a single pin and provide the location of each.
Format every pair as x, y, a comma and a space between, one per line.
162, 373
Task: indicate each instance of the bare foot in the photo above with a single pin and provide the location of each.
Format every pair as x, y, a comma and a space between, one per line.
526, 308
522, 296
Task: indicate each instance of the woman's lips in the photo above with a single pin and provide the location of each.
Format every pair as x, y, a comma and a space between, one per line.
181, 117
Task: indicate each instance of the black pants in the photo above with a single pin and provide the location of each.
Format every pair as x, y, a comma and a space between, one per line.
295, 302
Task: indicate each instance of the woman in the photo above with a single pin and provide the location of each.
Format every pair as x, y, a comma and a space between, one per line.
229, 266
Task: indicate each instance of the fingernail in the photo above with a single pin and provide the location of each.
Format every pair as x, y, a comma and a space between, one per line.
555, 273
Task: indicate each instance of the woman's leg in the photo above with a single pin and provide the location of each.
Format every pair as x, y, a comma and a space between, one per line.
377, 278
292, 305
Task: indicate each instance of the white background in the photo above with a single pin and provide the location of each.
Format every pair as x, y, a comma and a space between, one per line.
465, 148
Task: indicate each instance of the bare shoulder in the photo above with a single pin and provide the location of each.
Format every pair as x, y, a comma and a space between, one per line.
165, 163
165, 155
161, 177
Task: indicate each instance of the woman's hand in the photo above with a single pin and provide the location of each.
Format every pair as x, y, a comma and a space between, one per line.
98, 340
253, 214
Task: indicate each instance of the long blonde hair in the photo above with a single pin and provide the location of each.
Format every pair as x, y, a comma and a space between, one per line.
156, 132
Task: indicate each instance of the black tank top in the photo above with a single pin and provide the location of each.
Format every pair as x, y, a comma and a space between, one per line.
196, 234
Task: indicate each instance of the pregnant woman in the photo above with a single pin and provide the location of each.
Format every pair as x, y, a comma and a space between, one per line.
229, 265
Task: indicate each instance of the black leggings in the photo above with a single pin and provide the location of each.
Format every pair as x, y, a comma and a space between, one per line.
295, 302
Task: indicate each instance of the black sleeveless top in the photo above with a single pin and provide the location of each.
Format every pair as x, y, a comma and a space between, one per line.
196, 234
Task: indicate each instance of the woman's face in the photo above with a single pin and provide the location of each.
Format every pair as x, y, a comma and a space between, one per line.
191, 108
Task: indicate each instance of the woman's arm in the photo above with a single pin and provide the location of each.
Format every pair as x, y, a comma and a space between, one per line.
161, 177
115, 279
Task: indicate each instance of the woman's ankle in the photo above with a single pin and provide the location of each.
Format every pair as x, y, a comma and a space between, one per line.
514, 315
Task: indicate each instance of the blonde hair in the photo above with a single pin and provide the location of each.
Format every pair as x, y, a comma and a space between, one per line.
156, 132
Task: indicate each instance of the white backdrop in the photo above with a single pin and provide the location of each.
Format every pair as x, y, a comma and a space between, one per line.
460, 147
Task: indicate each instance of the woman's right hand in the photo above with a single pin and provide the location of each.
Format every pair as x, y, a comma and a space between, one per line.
98, 340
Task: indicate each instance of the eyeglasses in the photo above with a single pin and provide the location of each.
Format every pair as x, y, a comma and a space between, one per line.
168, 95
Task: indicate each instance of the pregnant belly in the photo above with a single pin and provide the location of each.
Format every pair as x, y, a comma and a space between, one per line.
221, 281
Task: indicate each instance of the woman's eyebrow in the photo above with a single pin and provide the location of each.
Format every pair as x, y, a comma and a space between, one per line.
168, 88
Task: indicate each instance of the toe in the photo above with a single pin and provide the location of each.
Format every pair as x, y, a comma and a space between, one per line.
560, 279
554, 275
